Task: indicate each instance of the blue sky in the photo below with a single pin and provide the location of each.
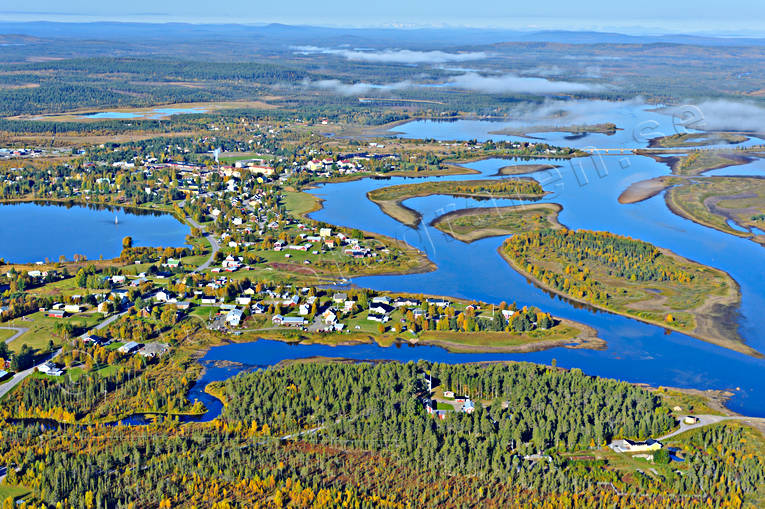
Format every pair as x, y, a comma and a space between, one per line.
732, 17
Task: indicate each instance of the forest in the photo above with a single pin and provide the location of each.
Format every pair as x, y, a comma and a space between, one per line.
335, 434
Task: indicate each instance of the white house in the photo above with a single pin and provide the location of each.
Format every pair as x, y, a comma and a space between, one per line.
234, 317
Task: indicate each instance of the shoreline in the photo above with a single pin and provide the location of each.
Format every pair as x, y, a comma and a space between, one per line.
737, 346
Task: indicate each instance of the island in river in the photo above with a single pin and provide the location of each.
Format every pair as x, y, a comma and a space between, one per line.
684, 140
473, 224
608, 128
734, 205
632, 278
390, 199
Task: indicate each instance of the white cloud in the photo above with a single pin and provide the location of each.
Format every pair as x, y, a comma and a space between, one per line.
353, 89
512, 84
721, 115
397, 56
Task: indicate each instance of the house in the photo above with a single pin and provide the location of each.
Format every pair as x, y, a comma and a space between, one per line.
288, 321
244, 301
173, 263
440, 303
304, 309
328, 317
507, 313
405, 302
381, 299
153, 349
380, 309
449, 394
468, 407
292, 301
230, 263
339, 298
103, 307
624, 445
96, 340
50, 369
348, 306
258, 308
234, 317
689, 419
209, 300
378, 318
325, 232
129, 347
56, 313
118, 280
73, 308
163, 296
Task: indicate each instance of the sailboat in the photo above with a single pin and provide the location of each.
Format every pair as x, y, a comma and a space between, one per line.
115, 220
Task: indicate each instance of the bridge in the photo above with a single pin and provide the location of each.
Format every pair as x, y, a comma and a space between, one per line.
609, 151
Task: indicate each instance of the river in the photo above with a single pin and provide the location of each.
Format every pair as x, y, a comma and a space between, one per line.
588, 189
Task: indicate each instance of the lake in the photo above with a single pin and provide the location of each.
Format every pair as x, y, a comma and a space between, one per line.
31, 232
151, 114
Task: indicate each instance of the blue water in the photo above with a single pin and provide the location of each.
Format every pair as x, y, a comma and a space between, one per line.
638, 124
152, 114
31, 232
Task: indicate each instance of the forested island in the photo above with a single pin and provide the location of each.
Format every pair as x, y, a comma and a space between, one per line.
630, 277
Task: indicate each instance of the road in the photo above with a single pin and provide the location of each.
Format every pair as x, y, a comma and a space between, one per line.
21, 375
19, 332
213, 244
706, 420
703, 420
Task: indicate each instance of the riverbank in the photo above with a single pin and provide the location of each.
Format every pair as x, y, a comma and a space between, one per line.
713, 319
569, 335
469, 225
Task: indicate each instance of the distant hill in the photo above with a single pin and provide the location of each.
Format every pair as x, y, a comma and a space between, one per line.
279, 34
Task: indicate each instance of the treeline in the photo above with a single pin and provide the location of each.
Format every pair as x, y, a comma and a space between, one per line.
169, 70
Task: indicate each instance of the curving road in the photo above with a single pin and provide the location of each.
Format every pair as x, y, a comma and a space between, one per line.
21, 375
707, 420
213, 244
19, 332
